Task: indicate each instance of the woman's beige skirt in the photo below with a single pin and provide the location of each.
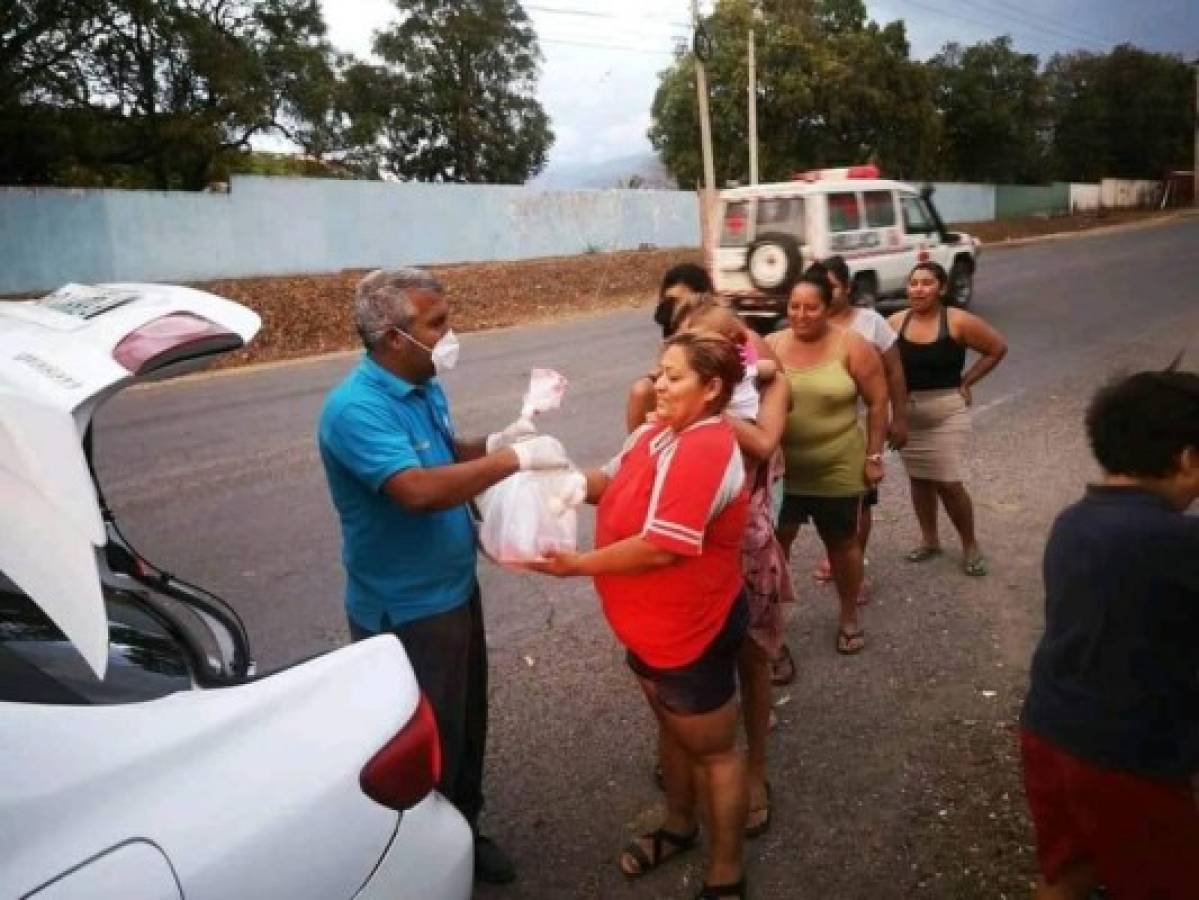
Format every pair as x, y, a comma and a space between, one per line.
938, 428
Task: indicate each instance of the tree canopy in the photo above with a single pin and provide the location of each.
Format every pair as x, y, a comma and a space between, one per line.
1127, 114
169, 93
832, 87
835, 88
993, 112
457, 100
151, 93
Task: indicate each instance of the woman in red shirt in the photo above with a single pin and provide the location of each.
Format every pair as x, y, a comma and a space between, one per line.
667, 567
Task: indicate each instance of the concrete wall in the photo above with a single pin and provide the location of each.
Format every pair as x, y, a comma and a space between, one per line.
959, 202
269, 226
1084, 197
1119, 193
1014, 200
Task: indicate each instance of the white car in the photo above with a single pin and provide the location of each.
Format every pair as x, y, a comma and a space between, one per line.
141, 755
769, 233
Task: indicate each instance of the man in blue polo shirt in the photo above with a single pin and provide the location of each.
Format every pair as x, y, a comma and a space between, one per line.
401, 480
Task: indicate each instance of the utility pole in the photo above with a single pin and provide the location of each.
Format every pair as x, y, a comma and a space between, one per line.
1195, 162
701, 48
753, 99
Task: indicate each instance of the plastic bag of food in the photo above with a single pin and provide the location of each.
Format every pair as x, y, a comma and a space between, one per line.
529, 514
546, 388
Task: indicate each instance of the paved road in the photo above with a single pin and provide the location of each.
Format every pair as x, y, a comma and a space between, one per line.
217, 479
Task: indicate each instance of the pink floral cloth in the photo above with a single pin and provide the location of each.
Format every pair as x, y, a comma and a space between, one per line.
767, 575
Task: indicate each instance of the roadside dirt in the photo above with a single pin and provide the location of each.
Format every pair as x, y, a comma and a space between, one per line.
309, 314
305, 315
1037, 226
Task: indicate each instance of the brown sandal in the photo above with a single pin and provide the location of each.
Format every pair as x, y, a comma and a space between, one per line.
850, 642
782, 668
663, 846
766, 811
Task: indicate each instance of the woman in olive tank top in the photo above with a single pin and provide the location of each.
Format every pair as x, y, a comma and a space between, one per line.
830, 463
933, 341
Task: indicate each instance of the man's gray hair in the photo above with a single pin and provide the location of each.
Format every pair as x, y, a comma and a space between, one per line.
381, 300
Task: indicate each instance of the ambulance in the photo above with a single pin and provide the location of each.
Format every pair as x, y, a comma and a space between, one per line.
770, 233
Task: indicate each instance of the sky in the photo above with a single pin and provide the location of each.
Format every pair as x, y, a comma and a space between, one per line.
602, 56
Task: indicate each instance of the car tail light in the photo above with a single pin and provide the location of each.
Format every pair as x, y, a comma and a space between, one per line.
408, 767
172, 338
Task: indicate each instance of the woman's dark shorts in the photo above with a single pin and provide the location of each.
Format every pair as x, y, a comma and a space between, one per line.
835, 518
708, 683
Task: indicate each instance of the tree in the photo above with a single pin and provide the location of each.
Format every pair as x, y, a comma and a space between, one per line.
834, 88
1125, 114
457, 99
994, 111
156, 92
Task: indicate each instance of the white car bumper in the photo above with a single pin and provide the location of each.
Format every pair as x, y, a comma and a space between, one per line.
431, 857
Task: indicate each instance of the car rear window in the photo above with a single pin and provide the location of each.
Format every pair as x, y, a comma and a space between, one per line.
39, 665
734, 229
880, 209
843, 212
781, 214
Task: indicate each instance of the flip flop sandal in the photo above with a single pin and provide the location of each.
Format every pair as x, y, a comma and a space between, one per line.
975, 566
760, 828
659, 841
782, 668
716, 891
922, 554
823, 572
846, 645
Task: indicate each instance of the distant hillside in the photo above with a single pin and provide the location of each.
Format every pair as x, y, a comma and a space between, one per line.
609, 173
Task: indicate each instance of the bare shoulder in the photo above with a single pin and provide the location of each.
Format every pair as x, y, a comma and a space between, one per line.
761, 344
857, 348
895, 320
962, 322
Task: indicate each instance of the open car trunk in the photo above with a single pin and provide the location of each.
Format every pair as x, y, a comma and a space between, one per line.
61, 357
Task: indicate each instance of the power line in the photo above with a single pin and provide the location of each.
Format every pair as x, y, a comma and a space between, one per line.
602, 46
990, 26
1099, 38
1027, 24
591, 14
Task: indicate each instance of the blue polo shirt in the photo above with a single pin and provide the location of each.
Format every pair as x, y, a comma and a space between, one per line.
407, 565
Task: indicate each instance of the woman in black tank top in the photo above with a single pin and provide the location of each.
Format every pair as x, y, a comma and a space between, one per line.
934, 366
933, 341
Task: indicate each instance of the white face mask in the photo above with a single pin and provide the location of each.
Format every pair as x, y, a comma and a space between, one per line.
444, 353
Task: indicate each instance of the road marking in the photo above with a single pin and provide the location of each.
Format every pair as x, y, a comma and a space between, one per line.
998, 401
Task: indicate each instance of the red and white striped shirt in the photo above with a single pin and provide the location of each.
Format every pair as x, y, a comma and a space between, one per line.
684, 493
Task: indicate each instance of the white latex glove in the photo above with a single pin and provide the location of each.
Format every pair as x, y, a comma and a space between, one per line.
569, 492
520, 430
541, 452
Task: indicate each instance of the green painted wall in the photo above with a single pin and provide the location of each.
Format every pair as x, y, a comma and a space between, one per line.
1014, 200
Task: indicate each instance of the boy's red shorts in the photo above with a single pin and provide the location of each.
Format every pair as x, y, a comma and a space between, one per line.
1140, 834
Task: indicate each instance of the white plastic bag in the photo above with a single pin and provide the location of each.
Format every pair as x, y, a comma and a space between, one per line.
529, 514
546, 388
